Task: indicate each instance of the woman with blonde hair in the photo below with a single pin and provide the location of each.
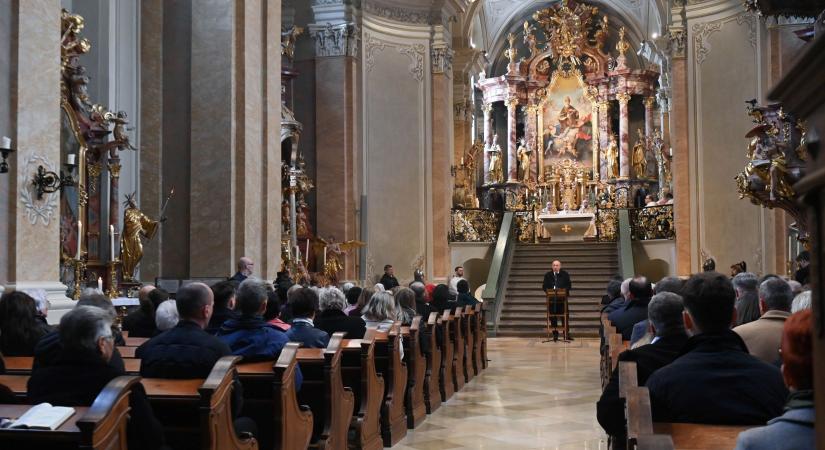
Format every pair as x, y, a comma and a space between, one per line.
380, 311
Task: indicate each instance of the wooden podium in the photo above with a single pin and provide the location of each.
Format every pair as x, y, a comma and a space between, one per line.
556, 308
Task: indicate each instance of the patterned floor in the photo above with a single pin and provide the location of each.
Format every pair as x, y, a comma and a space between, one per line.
533, 396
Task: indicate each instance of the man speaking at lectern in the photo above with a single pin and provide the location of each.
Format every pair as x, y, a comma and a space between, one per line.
556, 279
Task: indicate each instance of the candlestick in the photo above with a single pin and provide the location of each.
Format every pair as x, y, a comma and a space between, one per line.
6, 142
100, 284
79, 238
111, 242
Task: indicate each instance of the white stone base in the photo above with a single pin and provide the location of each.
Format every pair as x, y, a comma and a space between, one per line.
55, 293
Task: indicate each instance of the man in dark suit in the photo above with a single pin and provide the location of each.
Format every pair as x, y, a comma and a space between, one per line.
665, 318
304, 306
388, 279
715, 380
556, 279
635, 309
245, 269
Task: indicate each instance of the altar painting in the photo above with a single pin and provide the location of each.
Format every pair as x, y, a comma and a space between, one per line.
567, 131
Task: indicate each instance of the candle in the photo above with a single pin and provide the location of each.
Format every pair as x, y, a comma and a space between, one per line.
306, 257
71, 159
112, 242
6, 142
100, 284
325, 257
79, 238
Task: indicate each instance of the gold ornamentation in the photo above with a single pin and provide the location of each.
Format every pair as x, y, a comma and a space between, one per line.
334, 255
495, 172
525, 226
640, 155
487, 107
523, 155
474, 225
114, 170
136, 227
611, 157
288, 39
654, 222
607, 224
623, 98
566, 228
512, 102
511, 52
566, 25
622, 46
650, 102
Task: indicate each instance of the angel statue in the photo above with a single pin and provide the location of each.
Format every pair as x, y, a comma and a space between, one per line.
334, 253
136, 226
121, 138
611, 156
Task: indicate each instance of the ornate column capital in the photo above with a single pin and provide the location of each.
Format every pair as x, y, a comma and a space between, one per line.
623, 98
462, 111
487, 108
336, 40
650, 102
441, 57
512, 102
604, 106
678, 42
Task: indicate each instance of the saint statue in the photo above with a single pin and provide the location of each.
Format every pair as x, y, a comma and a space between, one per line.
523, 154
495, 169
639, 157
334, 253
611, 156
136, 226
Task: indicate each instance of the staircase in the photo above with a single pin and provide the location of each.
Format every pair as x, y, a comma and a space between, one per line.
590, 264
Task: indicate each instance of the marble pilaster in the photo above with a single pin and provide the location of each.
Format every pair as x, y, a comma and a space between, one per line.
624, 142
512, 145
34, 225
680, 167
604, 133
530, 139
441, 180
594, 106
650, 102
487, 108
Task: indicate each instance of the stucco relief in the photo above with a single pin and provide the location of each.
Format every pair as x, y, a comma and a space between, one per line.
703, 31
416, 52
399, 14
37, 210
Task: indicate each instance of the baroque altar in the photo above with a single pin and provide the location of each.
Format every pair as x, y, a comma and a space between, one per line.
572, 103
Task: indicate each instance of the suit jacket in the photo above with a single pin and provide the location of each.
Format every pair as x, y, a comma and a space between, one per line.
238, 277
716, 381
219, 316
140, 324
307, 335
626, 317
185, 351
792, 430
763, 336
560, 281
389, 281
648, 358
334, 320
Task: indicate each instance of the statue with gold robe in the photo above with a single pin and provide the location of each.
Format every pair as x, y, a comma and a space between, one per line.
496, 173
136, 226
611, 156
639, 157
523, 154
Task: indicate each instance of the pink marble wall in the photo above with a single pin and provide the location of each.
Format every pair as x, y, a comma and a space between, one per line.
624, 144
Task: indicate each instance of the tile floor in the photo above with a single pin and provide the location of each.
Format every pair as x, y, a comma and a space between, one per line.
533, 395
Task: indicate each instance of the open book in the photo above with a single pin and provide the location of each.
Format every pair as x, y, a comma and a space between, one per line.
43, 417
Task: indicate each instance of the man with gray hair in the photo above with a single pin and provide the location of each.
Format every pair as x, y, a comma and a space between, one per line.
664, 314
764, 336
245, 269
745, 285
82, 370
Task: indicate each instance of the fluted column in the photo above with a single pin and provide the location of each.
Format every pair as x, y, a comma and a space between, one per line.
512, 147
487, 108
624, 144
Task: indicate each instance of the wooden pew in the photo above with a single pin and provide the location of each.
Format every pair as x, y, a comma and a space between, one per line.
414, 406
693, 436
271, 401
458, 349
358, 370
196, 413
21, 365
16, 384
388, 363
100, 426
467, 331
127, 352
482, 325
432, 376
445, 382
134, 341
477, 332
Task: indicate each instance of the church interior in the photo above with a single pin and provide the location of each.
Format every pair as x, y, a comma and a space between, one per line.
416, 224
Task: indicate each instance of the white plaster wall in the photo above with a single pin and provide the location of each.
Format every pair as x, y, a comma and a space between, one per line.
397, 145
726, 67
654, 259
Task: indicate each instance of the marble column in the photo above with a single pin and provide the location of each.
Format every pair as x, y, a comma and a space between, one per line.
442, 97
624, 143
604, 133
595, 120
680, 167
530, 140
512, 145
488, 138
337, 128
33, 248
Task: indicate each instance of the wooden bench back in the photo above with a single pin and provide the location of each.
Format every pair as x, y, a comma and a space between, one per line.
446, 385
414, 406
457, 329
358, 369
468, 316
388, 363
293, 423
432, 376
482, 338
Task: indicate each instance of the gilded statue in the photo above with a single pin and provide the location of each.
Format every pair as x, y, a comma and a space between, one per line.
495, 170
611, 156
523, 154
639, 156
334, 253
136, 227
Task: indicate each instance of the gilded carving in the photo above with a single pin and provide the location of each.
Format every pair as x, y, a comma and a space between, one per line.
474, 225
654, 222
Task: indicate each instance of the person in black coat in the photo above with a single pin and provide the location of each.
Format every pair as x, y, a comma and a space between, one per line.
245, 269
635, 309
141, 322
715, 380
665, 313
388, 279
332, 318
556, 279
82, 369
303, 330
20, 328
224, 293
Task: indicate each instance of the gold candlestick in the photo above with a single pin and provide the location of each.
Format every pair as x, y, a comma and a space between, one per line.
113, 292
79, 270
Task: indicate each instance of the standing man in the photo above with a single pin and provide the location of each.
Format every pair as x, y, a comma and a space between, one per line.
556, 279
388, 279
458, 275
245, 266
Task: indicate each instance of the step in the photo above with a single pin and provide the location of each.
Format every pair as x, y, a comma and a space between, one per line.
575, 334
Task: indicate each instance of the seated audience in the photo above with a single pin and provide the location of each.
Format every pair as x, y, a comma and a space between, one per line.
166, 316
352, 299
249, 335
346, 287
224, 293
635, 309
796, 287
665, 317
303, 330
332, 318
82, 369
20, 329
405, 305
422, 308
613, 299
380, 312
282, 284
465, 298
740, 267
363, 298
715, 380
41, 303
709, 265
763, 336
141, 322
801, 302
185, 351
650, 200
641, 334
272, 315
745, 285
441, 299
795, 428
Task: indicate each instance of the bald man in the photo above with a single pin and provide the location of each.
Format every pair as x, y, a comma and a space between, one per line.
556, 279
245, 269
